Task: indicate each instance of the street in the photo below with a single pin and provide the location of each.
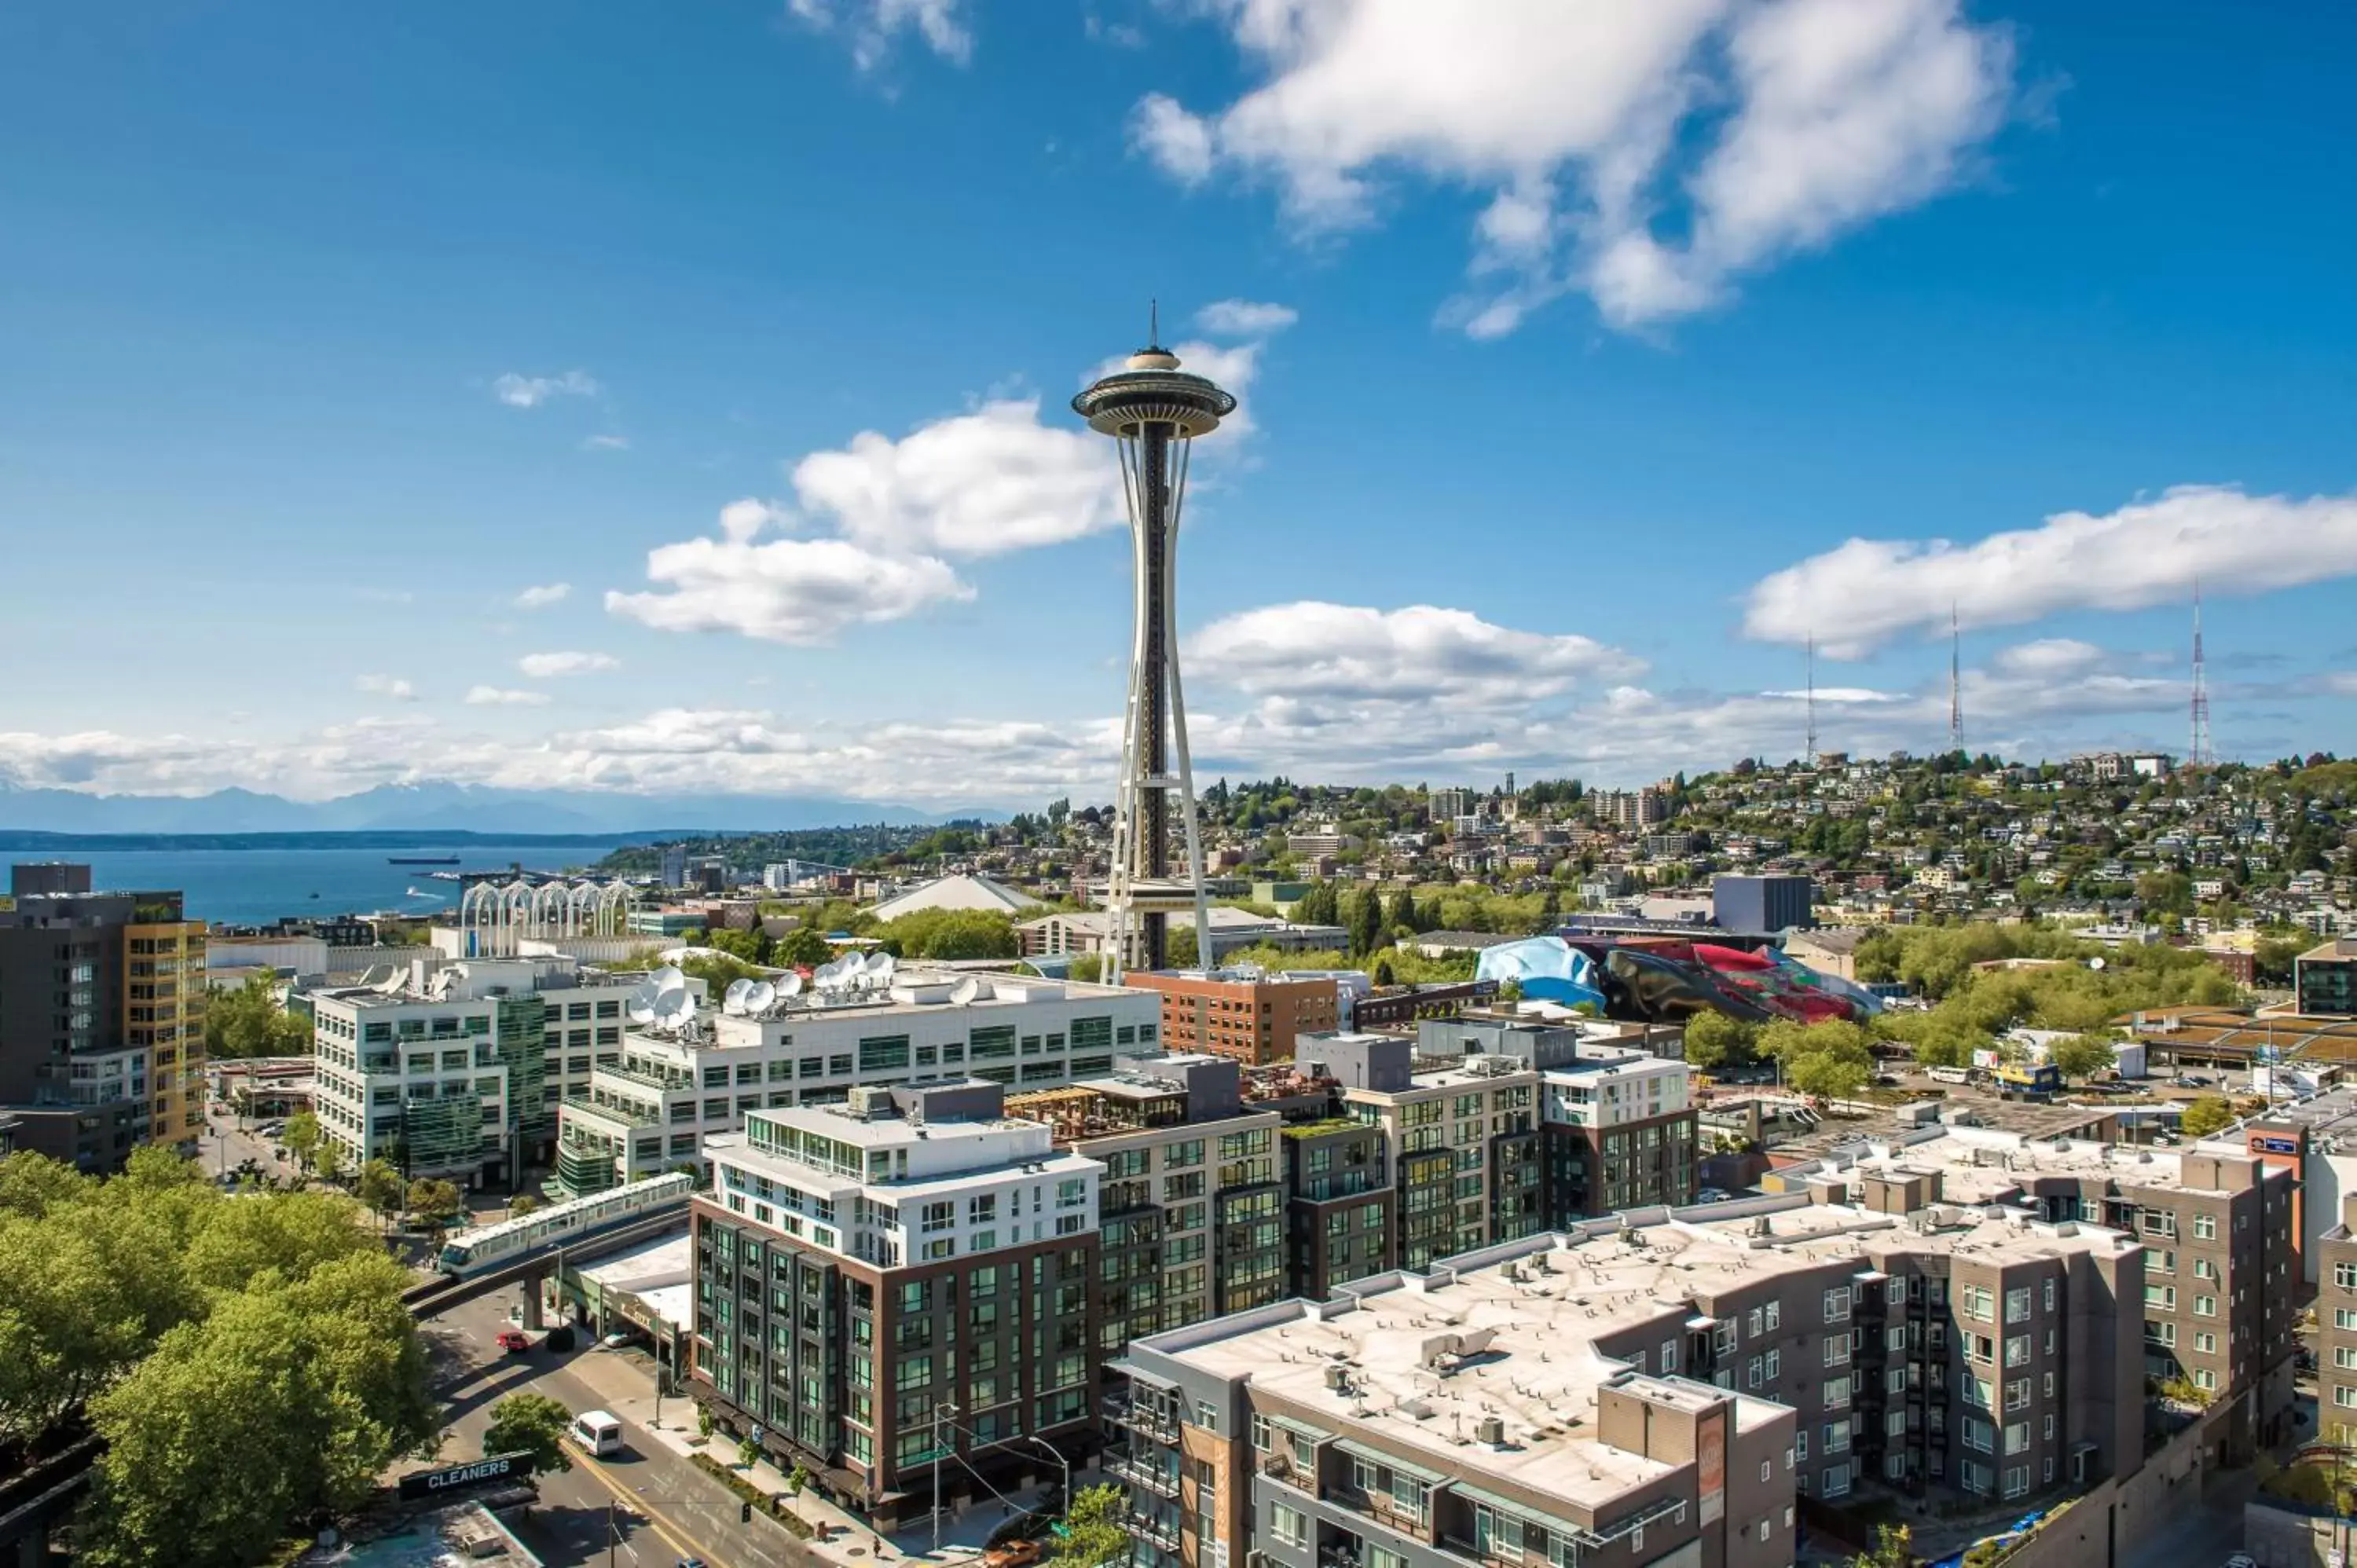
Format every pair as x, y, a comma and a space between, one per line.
686, 1512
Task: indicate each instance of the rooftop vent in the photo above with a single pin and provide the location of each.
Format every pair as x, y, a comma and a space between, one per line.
1490, 1430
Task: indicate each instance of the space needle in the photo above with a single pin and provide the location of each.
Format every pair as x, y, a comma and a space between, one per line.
1154, 411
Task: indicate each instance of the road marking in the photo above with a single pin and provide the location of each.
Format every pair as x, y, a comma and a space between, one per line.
674, 1534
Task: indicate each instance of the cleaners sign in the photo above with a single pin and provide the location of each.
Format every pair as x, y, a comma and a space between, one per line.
459, 1478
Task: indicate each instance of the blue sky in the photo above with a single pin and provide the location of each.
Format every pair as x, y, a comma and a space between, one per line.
1581, 345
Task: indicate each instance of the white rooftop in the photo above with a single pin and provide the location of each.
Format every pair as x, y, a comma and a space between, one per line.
1426, 1358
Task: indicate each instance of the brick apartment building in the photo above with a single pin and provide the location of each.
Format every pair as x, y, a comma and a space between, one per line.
1255, 1018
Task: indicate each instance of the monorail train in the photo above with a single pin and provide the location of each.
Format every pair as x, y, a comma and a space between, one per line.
472, 1251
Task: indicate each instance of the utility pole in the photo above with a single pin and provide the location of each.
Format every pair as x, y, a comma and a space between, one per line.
941, 1408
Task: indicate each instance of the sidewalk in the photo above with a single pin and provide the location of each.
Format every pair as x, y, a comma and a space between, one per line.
625, 1385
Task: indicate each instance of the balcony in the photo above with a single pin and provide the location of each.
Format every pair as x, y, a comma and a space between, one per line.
1163, 1533
1151, 1422
1162, 1483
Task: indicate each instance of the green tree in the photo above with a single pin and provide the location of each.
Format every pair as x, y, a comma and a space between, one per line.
521, 1204
531, 1425
436, 1203
327, 1162
1714, 1040
285, 1401
1894, 1546
1402, 914
1366, 922
248, 1022
380, 1186
2206, 1114
1096, 1529
1383, 971
301, 1137
804, 947
2082, 1056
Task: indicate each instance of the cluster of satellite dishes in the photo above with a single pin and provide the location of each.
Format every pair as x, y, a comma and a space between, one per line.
663, 1000
853, 973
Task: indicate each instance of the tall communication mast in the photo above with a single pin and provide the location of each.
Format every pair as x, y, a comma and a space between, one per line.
2199, 752
1955, 683
1810, 750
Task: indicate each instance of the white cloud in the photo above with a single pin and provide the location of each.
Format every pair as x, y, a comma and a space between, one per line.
799, 591
1748, 130
1312, 652
392, 686
541, 666
530, 391
870, 26
542, 595
504, 697
974, 484
2052, 658
1244, 318
2146, 554
605, 444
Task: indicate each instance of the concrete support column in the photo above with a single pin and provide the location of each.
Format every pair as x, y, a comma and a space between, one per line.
533, 1317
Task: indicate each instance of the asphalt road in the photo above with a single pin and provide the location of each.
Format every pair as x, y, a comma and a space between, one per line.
681, 1512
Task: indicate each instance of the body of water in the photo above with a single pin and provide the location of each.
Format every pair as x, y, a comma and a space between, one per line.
255, 886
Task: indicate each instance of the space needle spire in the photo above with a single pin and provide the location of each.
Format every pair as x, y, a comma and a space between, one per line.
1154, 411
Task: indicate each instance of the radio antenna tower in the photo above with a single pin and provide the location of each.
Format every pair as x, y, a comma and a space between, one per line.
1955, 682
2199, 753
1811, 747
1154, 410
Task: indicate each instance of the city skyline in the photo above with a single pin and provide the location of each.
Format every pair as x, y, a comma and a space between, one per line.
541, 402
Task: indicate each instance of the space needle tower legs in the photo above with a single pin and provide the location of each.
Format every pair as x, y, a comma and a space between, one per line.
1154, 411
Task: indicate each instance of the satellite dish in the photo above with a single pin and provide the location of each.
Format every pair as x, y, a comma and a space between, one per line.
792, 985
2095, 963
968, 990
675, 1007
759, 995
643, 1012
667, 978
882, 964
734, 999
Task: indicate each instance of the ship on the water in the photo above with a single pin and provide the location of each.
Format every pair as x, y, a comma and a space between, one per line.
421, 860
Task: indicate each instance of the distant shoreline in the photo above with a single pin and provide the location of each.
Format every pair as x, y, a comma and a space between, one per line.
22, 840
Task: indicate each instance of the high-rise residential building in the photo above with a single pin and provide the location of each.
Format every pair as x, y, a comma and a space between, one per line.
2219, 1292
1617, 1122
1252, 1016
2324, 978
2336, 1324
1193, 1207
1630, 808
652, 1109
1666, 1390
899, 1293
1447, 805
101, 1017
1340, 1207
1464, 1141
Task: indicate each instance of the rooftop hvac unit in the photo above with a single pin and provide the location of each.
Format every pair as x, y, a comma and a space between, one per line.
1339, 1378
1490, 1430
868, 1101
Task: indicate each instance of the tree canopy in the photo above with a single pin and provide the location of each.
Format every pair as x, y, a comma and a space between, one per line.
248, 1022
534, 1424
247, 1359
2205, 1114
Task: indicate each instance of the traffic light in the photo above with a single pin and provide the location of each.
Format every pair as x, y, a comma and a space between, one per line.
743, 1513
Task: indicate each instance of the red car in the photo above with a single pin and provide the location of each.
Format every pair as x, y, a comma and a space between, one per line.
514, 1341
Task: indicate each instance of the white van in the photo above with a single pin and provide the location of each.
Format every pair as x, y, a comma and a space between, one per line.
597, 1432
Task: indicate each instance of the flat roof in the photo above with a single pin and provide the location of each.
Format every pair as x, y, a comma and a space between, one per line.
1426, 1357
667, 1255
1978, 1164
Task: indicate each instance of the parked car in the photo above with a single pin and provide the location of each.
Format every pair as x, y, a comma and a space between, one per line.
617, 1339
514, 1341
1711, 1195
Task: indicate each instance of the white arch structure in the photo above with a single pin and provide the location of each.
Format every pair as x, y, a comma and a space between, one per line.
496, 918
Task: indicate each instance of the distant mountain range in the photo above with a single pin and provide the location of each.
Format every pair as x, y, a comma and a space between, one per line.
446, 807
